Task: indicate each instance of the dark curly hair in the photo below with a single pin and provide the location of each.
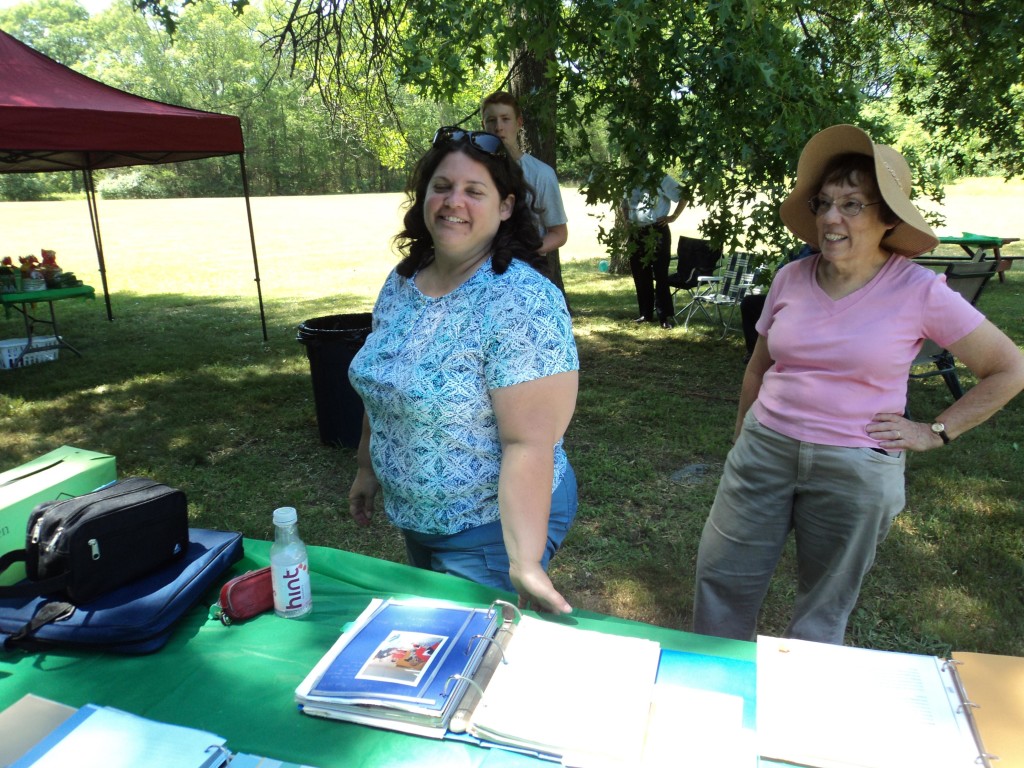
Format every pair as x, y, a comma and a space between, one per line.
517, 236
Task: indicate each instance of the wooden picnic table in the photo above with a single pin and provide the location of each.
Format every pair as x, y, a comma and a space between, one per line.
975, 248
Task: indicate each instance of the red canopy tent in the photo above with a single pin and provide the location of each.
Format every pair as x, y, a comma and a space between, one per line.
55, 119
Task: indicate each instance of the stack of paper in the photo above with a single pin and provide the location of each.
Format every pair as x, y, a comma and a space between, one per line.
833, 706
576, 694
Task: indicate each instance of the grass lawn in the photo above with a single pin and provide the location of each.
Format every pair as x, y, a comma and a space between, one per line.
181, 387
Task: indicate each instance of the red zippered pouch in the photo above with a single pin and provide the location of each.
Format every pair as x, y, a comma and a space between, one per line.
245, 596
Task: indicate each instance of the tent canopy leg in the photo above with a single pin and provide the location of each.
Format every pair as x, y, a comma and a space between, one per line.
94, 220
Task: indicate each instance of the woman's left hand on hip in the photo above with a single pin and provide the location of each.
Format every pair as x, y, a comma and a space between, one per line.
895, 433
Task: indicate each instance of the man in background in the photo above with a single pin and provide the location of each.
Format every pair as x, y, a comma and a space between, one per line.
502, 116
649, 212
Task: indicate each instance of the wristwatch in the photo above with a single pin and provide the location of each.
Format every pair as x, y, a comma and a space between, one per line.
940, 429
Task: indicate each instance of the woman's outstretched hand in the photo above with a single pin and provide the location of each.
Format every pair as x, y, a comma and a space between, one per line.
536, 590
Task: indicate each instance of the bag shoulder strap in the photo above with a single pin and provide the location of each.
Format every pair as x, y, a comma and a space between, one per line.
47, 614
29, 588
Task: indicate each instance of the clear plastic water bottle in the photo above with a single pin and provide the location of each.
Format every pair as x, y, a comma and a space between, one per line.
289, 567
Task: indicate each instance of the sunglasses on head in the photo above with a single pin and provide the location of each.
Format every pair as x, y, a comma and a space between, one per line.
487, 143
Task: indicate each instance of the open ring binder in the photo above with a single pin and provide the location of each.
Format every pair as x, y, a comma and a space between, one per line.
420, 667
915, 707
509, 612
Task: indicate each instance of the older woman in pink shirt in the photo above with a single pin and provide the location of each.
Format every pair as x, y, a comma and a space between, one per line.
821, 440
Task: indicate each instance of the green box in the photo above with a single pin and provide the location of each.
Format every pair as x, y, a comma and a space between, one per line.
60, 474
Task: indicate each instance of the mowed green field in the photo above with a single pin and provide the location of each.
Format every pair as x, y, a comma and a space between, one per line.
326, 245
308, 247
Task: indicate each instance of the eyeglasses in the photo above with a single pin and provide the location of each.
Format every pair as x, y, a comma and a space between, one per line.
487, 143
849, 208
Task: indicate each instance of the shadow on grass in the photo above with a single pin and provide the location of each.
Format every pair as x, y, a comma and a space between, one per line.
185, 390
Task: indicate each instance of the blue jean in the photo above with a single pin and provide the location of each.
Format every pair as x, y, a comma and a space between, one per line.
840, 503
479, 553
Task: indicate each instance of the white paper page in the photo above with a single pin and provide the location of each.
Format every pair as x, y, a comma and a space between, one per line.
691, 727
109, 738
584, 691
834, 706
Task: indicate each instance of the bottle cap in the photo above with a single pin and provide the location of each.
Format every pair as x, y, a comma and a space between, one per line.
285, 516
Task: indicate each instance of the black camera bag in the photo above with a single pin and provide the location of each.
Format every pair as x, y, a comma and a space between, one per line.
88, 545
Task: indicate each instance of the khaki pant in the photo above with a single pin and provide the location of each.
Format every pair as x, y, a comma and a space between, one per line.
840, 504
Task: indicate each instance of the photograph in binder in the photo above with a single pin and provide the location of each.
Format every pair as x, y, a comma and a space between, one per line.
403, 658
400, 665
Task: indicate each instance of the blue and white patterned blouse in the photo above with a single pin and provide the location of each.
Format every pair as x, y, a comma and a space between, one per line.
424, 374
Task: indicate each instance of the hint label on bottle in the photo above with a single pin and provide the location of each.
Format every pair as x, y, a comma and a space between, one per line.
292, 594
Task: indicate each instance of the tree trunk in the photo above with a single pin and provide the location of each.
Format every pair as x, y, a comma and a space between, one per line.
538, 98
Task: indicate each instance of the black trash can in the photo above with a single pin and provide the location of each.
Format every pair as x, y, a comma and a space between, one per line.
331, 342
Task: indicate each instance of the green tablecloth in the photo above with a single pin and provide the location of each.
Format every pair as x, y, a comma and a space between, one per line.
238, 681
969, 238
51, 294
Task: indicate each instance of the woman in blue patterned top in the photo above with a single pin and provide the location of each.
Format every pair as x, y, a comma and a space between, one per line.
469, 378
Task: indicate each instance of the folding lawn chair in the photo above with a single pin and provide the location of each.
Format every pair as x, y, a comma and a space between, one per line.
695, 259
722, 292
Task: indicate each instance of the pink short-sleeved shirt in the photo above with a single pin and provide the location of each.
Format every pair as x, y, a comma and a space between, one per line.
838, 363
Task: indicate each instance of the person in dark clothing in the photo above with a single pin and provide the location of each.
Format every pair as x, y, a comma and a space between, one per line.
650, 213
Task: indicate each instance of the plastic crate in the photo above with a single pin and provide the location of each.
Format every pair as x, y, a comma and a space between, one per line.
10, 349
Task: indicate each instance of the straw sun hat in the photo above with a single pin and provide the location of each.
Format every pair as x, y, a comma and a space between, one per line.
911, 237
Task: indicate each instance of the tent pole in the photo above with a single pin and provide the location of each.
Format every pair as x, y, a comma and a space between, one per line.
94, 219
252, 240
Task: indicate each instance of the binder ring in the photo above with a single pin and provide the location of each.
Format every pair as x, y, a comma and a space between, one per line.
493, 642
506, 608
219, 755
469, 680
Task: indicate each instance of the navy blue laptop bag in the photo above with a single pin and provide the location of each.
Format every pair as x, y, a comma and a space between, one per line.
136, 618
